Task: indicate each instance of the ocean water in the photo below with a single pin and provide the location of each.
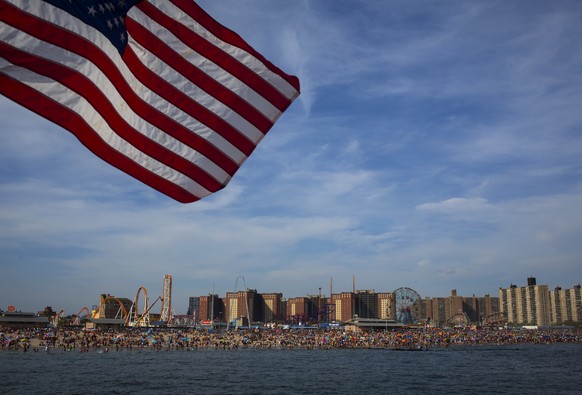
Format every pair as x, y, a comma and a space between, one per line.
533, 369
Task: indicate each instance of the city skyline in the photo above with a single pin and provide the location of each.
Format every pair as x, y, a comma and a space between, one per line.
434, 147
180, 306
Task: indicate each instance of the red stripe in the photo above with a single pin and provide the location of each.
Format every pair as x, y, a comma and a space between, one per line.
218, 56
55, 112
156, 46
53, 34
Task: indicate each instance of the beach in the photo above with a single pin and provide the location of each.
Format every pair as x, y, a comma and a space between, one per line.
160, 339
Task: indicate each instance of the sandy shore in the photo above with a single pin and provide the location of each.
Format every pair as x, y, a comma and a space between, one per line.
142, 338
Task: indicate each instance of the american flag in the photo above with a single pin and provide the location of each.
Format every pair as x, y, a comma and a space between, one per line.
157, 88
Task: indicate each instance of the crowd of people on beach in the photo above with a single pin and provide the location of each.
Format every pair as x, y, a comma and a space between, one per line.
166, 339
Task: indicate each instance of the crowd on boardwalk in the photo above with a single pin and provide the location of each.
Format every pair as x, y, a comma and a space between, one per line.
158, 339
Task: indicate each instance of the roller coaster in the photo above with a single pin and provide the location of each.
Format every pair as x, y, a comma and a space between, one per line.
57, 317
459, 319
134, 317
495, 319
78, 318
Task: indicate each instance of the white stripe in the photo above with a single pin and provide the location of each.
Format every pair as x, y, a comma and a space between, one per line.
71, 100
59, 17
242, 56
204, 64
93, 73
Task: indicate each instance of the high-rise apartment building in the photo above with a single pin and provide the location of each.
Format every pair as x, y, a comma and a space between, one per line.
242, 304
317, 308
456, 309
488, 306
559, 306
344, 304
282, 310
435, 312
566, 305
210, 307
576, 303
386, 306
366, 304
362, 304
453, 305
193, 306
529, 305
297, 310
471, 308
270, 307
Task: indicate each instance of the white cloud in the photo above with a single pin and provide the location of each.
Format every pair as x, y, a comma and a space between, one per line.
458, 206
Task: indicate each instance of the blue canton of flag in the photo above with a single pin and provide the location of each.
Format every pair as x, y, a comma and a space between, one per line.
106, 16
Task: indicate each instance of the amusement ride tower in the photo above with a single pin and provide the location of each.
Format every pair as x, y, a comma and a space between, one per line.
166, 314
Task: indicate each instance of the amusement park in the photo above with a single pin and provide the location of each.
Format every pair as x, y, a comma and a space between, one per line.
139, 312
111, 313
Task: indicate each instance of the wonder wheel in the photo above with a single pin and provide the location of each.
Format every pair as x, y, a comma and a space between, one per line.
407, 302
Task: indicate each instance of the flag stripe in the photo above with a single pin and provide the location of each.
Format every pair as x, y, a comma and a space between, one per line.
270, 81
206, 109
83, 87
168, 61
55, 112
162, 106
162, 29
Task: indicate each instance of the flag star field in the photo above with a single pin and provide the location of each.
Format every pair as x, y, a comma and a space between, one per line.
107, 17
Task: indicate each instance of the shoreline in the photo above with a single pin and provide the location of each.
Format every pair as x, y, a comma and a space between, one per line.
171, 339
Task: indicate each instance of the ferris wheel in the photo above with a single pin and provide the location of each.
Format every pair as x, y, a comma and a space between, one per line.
407, 302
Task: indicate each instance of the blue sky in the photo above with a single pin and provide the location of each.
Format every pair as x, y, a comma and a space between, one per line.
436, 145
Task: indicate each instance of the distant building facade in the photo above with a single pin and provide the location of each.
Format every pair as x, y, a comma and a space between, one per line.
297, 310
14, 319
113, 307
193, 306
456, 309
210, 308
270, 307
566, 305
454, 305
488, 307
344, 304
435, 312
528, 305
386, 306
242, 304
366, 304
